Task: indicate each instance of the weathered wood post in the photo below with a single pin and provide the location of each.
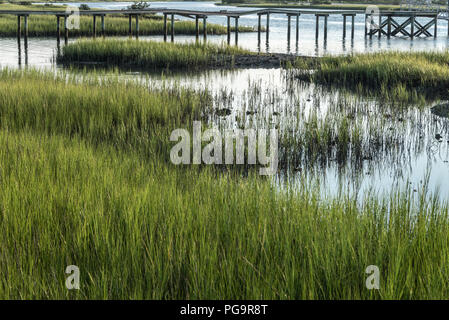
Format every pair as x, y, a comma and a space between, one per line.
66, 30
412, 30
172, 34
325, 27
229, 30
344, 26
317, 26
19, 25
197, 28
58, 29
352, 26
94, 29
389, 26
259, 26
103, 31
371, 27
137, 26
366, 28
436, 27
26, 27
130, 30
289, 18
205, 28
268, 26
297, 28
236, 30
380, 25
165, 27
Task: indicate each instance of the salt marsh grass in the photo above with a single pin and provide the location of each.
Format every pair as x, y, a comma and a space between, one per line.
422, 72
149, 54
85, 180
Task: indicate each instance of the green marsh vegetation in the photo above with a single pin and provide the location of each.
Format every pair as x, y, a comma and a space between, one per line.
149, 54
86, 179
394, 75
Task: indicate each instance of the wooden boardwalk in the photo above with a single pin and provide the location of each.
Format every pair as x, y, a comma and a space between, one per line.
387, 23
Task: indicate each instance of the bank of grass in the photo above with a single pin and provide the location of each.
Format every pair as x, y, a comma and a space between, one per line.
44, 26
85, 180
423, 72
149, 54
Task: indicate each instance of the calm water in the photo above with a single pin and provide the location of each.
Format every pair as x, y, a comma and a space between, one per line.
409, 149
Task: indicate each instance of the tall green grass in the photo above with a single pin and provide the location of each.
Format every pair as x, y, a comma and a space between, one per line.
82, 182
148, 54
385, 71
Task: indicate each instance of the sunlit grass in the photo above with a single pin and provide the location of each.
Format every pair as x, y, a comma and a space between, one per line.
85, 180
148, 54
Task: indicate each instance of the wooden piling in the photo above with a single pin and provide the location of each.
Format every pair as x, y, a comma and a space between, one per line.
58, 29
130, 30
197, 28
268, 26
325, 27
259, 26
435, 32
288, 27
412, 30
380, 26
165, 27
317, 26
94, 29
137, 26
344, 26
103, 31
352, 26
26, 27
229, 30
205, 28
366, 28
66, 30
297, 28
389, 26
19, 25
236, 30
172, 31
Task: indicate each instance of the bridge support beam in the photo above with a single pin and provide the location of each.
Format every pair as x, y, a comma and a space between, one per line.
103, 31
58, 29
268, 26
26, 27
205, 28
172, 30
137, 26
19, 26
229, 30
297, 28
197, 28
66, 30
236, 30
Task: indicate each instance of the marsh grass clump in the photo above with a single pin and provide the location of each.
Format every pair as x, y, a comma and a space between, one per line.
149, 54
388, 73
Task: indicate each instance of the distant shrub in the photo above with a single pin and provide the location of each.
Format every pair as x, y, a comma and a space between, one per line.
84, 7
139, 6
